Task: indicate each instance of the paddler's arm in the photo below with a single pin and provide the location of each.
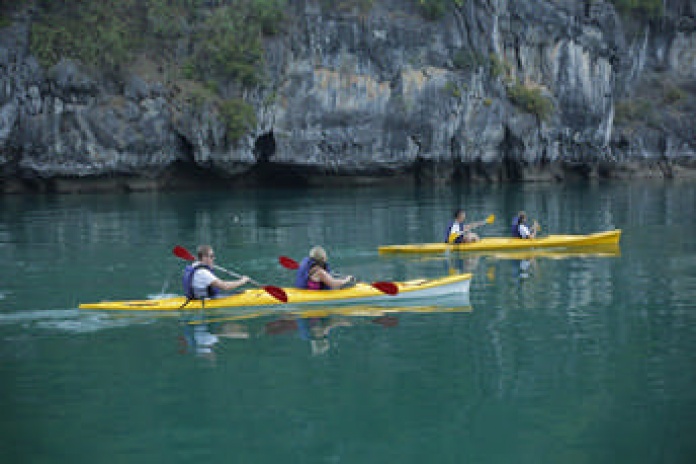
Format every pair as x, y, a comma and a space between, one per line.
473, 225
331, 281
227, 285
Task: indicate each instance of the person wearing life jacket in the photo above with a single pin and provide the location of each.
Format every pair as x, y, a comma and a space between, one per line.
200, 283
458, 232
520, 229
314, 273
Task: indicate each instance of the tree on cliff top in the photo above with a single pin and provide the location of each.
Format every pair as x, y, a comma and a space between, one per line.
107, 34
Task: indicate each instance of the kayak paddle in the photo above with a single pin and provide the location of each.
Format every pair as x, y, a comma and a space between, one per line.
288, 263
390, 288
276, 292
489, 220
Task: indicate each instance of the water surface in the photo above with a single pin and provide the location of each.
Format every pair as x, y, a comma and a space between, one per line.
579, 359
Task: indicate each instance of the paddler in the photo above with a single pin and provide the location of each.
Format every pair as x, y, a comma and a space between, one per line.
459, 232
314, 272
199, 281
520, 228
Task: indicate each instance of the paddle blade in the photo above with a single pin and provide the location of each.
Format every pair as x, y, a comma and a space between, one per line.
386, 321
389, 288
288, 263
490, 219
183, 253
276, 292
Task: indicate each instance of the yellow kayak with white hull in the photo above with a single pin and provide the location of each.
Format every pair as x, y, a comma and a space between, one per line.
359, 294
610, 237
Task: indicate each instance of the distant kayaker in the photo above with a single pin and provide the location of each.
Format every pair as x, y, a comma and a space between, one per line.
458, 232
520, 229
199, 281
314, 272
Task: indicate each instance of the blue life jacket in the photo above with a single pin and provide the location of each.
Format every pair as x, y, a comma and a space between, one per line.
460, 238
302, 276
187, 283
515, 230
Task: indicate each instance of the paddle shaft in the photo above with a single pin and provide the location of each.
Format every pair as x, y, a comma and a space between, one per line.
474, 225
234, 274
489, 220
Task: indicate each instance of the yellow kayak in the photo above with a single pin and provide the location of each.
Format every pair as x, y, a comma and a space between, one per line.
358, 294
611, 237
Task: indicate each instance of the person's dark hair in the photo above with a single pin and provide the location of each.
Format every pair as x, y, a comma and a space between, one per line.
457, 212
521, 216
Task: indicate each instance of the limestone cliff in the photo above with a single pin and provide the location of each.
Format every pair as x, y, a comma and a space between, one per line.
493, 90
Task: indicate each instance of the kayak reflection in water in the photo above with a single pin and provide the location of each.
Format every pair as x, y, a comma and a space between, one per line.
458, 264
525, 268
201, 336
318, 330
200, 340
314, 272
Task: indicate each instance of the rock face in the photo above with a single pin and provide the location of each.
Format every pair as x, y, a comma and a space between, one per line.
496, 90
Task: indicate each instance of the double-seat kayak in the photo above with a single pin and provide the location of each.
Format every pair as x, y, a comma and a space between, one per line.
360, 293
610, 237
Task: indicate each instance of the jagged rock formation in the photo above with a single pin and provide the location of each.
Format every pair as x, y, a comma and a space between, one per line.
496, 90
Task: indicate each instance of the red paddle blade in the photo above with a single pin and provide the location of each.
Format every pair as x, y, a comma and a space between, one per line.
183, 253
389, 288
386, 321
288, 263
276, 292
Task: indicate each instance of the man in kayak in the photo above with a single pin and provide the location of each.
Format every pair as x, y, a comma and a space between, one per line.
520, 228
458, 232
199, 281
314, 272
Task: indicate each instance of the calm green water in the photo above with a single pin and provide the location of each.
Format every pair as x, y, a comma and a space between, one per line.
577, 360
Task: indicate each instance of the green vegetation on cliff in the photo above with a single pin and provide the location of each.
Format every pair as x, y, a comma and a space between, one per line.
363, 6
102, 34
106, 34
436, 9
642, 8
239, 117
218, 44
531, 100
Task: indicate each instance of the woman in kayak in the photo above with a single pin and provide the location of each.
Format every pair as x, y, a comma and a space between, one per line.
314, 272
458, 232
520, 228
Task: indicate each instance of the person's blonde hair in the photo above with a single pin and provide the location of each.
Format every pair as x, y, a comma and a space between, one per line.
318, 254
203, 250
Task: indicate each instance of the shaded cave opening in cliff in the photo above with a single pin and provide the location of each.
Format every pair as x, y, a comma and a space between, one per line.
186, 173
270, 174
265, 147
512, 149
